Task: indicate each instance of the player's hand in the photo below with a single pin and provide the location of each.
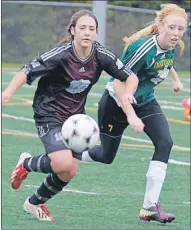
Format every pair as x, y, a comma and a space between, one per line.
126, 99
6, 97
177, 87
135, 123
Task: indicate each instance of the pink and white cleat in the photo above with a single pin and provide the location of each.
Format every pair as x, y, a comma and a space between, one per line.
155, 213
40, 212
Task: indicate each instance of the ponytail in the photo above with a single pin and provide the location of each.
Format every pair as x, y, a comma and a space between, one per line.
149, 30
166, 9
66, 39
181, 46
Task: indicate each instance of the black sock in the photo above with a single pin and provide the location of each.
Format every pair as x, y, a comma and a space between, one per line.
39, 163
49, 188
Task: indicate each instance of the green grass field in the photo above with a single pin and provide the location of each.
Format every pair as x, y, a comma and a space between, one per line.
101, 196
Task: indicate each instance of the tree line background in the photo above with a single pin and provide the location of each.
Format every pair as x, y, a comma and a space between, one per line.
140, 4
29, 30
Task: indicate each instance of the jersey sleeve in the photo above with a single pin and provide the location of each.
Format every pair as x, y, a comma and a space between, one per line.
43, 65
112, 65
134, 57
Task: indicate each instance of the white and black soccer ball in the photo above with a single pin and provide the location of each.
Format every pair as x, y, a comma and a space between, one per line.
80, 132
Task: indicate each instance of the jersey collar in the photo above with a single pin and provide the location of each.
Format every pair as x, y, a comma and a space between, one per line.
82, 59
159, 49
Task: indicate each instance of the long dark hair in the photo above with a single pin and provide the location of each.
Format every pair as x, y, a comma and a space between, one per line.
75, 17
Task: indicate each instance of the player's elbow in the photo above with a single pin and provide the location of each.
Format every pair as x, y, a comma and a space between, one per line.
133, 77
118, 86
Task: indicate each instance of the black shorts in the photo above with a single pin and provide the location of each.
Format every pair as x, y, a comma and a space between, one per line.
51, 139
113, 121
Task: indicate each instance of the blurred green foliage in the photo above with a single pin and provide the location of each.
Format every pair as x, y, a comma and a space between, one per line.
29, 30
154, 5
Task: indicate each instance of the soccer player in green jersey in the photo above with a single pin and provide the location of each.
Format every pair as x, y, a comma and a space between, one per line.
150, 54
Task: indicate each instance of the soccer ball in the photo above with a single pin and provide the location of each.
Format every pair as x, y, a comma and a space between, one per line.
80, 132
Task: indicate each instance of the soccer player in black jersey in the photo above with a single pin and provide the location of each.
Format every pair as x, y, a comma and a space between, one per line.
67, 72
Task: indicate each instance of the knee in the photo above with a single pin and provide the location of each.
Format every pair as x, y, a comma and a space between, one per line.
165, 144
67, 176
72, 173
61, 161
162, 150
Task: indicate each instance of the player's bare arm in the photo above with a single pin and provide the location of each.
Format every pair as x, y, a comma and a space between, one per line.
19, 80
124, 89
176, 83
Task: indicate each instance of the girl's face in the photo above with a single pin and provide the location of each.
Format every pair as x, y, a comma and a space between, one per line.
171, 30
85, 31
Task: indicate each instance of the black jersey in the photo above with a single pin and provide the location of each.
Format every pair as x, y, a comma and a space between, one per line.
66, 79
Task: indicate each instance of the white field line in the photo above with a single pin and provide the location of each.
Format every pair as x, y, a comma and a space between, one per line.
69, 190
34, 86
163, 103
177, 97
171, 107
150, 142
162, 106
186, 90
168, 79
175, 162
170, 160
24, 86
169, 102
86, 193
123, 137
185, 80
98, 95
18, 118
187, 202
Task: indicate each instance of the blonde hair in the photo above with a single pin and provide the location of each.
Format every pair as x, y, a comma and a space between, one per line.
166, 9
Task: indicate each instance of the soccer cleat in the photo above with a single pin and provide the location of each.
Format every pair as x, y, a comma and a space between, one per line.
19, 173
40, 212
155, 213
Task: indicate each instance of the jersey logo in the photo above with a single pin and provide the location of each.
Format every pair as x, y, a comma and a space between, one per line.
42, 130
82, 70
35, 63
162, 74
119, 64
58, 136
163, 56
78, 86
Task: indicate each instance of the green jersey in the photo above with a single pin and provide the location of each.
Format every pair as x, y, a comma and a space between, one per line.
150, 63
